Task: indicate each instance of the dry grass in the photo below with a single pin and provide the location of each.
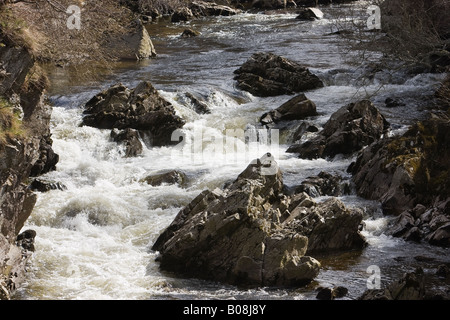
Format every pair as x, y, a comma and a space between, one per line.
52, 40
10, 124
415, 27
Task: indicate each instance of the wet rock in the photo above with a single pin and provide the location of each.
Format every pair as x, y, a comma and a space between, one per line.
331, 293
340, 291
329, 226
189, 33
410, 287
26, 240
20, 155
348, 130
402, 224
309, 14
296, 108
183, 14
268, 4
393, 103
443, 271
48, 159
43, 185
199, 106
130, 139
266, 74
223, 236
303, 128
325, 294
440, 237
141, 108
408, 170
324, 184
250, 233
169, 177
203, 8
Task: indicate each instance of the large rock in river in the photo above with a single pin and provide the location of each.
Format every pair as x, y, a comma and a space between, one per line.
251, 234
141, 108
406, 170
296, 108
266, 74
409, 175
348, 130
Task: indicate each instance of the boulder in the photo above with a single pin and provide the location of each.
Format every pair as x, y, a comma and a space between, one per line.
182, 14
296, 108
266, 74
130, 139
198, 105
169, 177
303, 128
45, 185
136, 45
141, 108
410, 287
203, 8
331, 293
273, 4
309, 14
406, 170
189, 33
348, 130
329, 226
324, 184
249, 233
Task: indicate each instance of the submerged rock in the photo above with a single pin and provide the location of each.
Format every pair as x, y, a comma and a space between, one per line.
188, 33
169, 177
198, 105
44, 185
130, 139
249, 233
348, 130
309, 14
410, 287
141, 108
266, 74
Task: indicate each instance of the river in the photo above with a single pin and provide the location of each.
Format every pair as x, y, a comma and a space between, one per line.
93, 239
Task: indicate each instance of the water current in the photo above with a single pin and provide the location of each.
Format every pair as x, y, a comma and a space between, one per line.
93, 239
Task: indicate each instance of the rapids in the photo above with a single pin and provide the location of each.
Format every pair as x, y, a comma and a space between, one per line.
93, 239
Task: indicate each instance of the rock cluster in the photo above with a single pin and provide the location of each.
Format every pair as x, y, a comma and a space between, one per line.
409, 175
200, 9
348, 130
250, 233
21, 156
141, 108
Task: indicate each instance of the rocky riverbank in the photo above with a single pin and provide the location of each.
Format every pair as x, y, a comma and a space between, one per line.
25, 151
254, 231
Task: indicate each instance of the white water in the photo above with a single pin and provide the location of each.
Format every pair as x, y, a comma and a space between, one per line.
93, 239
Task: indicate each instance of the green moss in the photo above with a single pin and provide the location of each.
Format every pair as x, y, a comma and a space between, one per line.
10, 124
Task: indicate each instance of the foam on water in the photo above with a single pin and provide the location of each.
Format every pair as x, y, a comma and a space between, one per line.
93, 239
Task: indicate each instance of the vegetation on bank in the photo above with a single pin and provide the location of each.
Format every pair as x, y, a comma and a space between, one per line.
11, 125
416, 32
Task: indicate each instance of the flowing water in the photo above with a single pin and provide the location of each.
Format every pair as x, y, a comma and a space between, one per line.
93, 239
